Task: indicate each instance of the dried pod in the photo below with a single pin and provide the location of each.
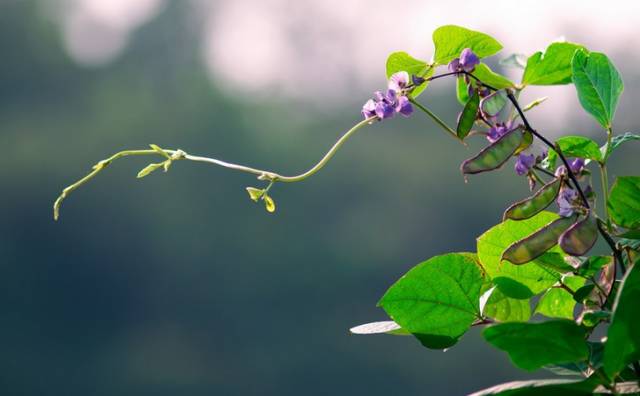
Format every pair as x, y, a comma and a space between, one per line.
536, 244
494, 155
580, 237
468, 116
539, 201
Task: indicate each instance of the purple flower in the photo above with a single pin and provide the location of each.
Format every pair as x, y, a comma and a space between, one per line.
393, 100
398, 81
388, 97
524, 163
566, 200
369, 109
384, 110
454, 65
404, 107
576, 165
468, 60
497, 131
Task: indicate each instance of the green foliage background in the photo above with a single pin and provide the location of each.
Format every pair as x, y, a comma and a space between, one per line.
177, 284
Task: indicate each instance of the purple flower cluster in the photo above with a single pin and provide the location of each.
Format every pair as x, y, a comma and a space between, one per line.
393, 100
467, 61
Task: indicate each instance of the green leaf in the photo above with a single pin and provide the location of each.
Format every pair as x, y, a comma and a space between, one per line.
148, 169
255, 193
624, 202
623, 337
533, 345
594, 264
598, 84
555, 262
488, 76
401, 61
512, 288
437, 300
450, 40
160, 151
617, 141
551, 68
468, 116
505, 309
384, 327
492, 243
579, 146
559, 303
544, 387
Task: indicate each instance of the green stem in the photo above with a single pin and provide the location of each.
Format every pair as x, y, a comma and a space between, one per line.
604, 177
436, 119
181, 155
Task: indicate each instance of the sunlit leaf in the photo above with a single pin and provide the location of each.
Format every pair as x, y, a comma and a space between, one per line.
624, 202
598, 85
450, 40
533, 345
437, 300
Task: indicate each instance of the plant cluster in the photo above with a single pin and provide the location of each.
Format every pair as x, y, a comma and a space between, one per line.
535, 261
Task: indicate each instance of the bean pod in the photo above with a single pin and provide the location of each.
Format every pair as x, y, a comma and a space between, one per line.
538, 243
538, 202
494, 155
468, 116
580, 237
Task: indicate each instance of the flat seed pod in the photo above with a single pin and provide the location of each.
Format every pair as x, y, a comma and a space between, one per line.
494, 103
468, 116
494, 155
539, 201
536, 244
580, 237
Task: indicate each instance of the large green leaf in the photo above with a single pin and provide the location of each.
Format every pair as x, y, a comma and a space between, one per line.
544, 387
493, 243
506, 309
552, 67
598, 84
450, 40
623, 337
534, 345
401, 61
488, 76
437, 300
559, 303
579, 146
624, 202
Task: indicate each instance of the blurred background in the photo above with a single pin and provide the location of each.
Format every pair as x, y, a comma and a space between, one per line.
177, 284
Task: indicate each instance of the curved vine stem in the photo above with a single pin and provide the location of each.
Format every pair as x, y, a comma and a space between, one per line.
174, 155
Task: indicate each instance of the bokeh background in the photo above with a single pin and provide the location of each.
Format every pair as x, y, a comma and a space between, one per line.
177, 284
